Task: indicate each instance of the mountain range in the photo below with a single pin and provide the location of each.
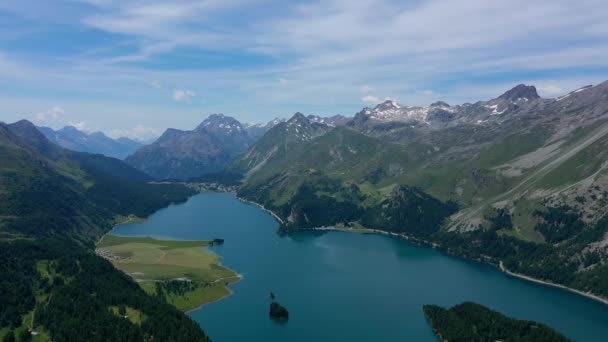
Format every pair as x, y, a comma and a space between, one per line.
521, 171
207, 149
518, 181
73, 139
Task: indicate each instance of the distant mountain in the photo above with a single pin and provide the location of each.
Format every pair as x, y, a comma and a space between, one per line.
48, 190
92, 163
279, 142
71, 138
256, 131
185, 154
392, 115
336, 120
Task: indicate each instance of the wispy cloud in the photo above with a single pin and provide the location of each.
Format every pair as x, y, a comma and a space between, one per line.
57, 117
183, 95
53, 115
371, 99
256, 58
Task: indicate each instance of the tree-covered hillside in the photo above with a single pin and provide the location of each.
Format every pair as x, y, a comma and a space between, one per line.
470, 322
54, 204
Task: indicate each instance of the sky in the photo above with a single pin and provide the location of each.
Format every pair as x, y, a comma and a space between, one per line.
134, 68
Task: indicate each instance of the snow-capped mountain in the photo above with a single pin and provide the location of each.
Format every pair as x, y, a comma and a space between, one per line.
336, 120
441, 113
390, 110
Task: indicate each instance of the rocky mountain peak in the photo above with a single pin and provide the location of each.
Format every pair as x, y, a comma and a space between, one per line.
69, 129
298, 117
520, 91
387, 105
220, 122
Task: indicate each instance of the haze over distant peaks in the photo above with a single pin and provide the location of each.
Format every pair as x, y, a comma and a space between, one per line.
71, 138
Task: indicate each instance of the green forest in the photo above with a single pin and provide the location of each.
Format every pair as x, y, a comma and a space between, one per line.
471, 322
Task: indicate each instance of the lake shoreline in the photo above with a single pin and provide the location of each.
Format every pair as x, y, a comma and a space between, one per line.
500, 267
230, 293
277, 217
548, 283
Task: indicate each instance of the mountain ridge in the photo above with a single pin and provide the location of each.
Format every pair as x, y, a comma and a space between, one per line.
96, 142
514, 167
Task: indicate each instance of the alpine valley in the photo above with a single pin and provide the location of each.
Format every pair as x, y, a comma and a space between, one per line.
519, 182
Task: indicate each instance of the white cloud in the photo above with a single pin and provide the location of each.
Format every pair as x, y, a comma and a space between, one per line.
183, 95
331, 52
139, 132
371, 99
83, 126
57, 117
156, 84
51, 116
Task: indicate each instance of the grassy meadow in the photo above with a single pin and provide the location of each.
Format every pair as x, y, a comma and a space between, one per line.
183, 272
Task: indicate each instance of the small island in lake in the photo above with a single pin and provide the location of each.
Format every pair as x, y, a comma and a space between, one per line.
473, 322
217, 242
278, 312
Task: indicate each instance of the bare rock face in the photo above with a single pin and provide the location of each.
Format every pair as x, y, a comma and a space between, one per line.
520, 91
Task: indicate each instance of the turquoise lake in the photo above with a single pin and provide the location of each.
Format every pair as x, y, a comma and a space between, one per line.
348, 287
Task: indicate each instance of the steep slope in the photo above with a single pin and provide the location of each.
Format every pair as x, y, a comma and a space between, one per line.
86, 161
47, 190
278, 143
71, 138
186, 154
318, 175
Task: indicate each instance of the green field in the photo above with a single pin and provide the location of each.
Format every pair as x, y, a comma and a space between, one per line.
184, 272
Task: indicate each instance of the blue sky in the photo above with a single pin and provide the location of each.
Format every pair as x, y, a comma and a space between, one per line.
136, 67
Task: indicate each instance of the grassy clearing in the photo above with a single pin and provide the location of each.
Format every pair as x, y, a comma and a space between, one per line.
193, 299
523, 222
133, 315
120, 219
155, 263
